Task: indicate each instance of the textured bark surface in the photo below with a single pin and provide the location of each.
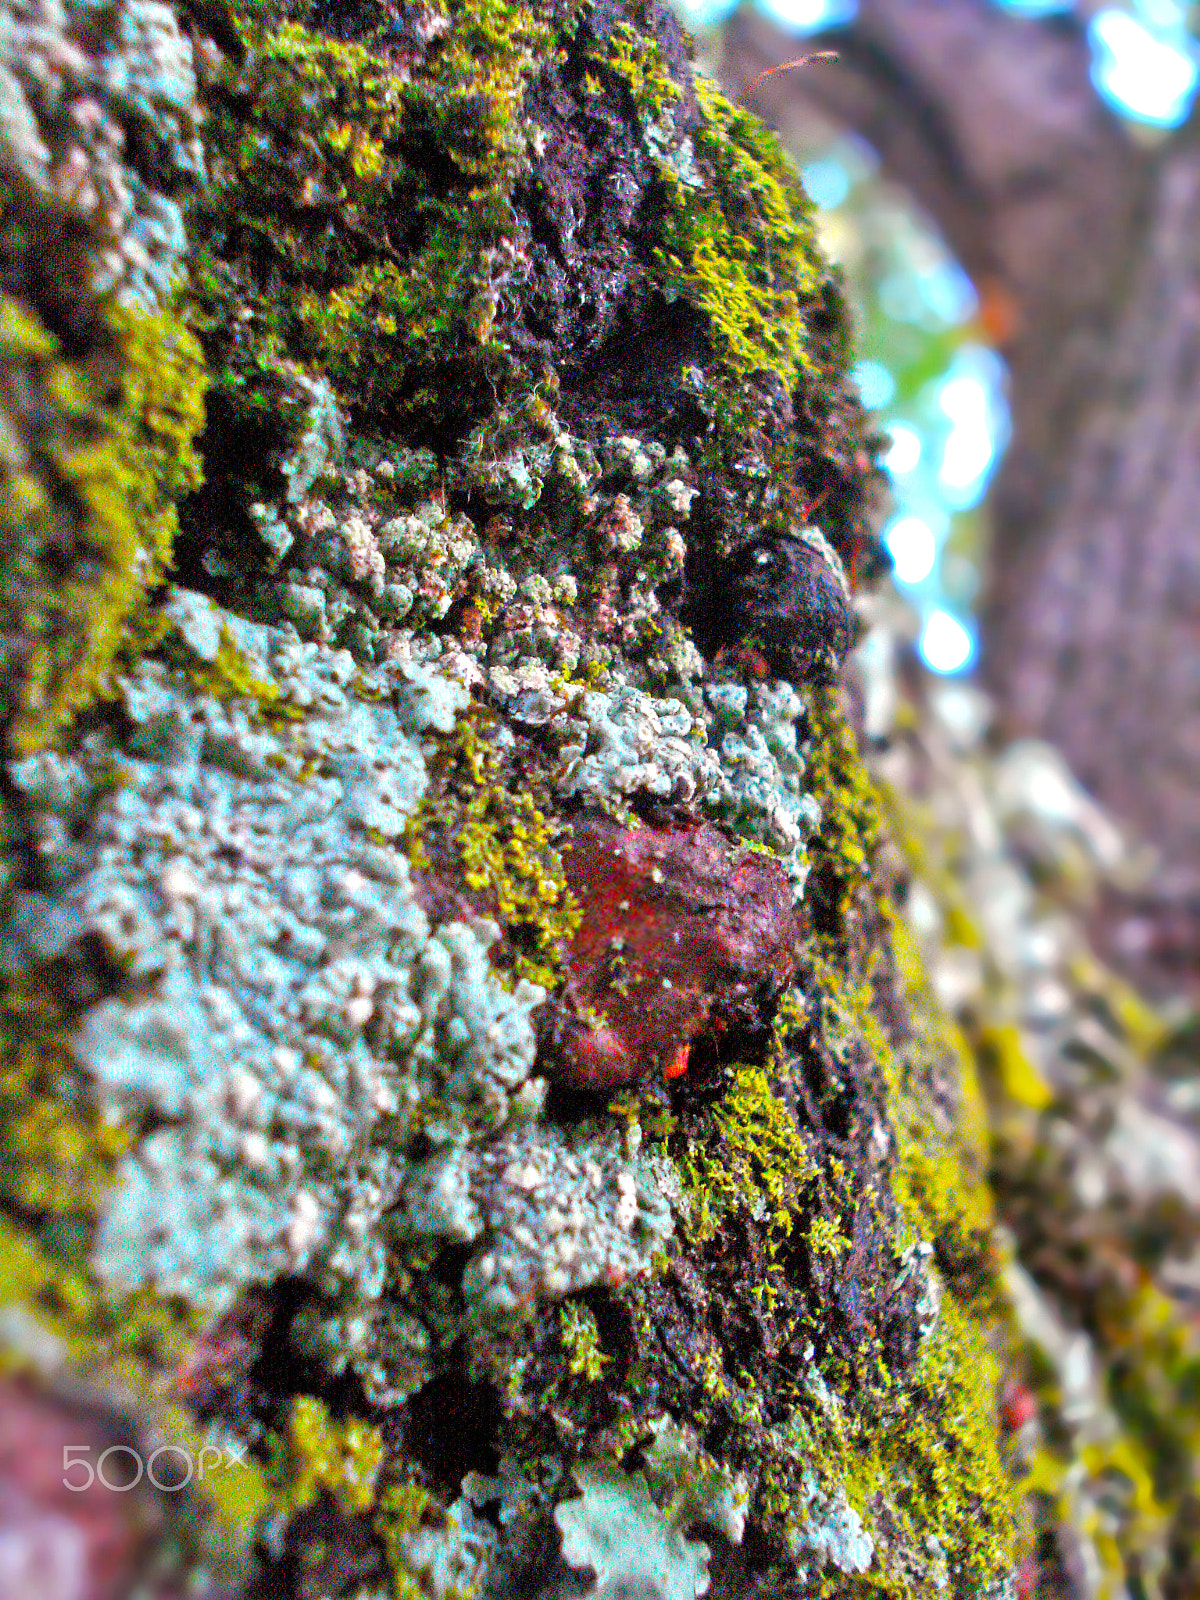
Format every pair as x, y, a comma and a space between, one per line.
1084, 248
521, 355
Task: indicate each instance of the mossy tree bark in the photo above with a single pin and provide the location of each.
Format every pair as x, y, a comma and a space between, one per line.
1084, 245
541, 1150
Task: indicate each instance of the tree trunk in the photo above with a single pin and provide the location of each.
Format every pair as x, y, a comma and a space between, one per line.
1090, 241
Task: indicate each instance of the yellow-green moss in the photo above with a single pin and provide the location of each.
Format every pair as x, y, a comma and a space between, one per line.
927, 1448
129, 1342
93, 456
1119, 1491
1124, 1486
506, 850
851, 821
400, 285
940, 1460
763, 1162
581, 1340
58, 1151
740, 247
402, 1508
230, 676
316, 1453
635, 60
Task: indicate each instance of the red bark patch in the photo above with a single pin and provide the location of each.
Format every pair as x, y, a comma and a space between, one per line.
682, 933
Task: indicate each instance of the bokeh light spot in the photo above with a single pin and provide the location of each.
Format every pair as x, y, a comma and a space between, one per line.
827, 183
876, 386
945, 645
808, 16
949, 293
1148, 78
905, 454
701, 15
912, 547
969, 450
971, 395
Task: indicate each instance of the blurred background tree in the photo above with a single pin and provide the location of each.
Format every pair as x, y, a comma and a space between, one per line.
1016, 193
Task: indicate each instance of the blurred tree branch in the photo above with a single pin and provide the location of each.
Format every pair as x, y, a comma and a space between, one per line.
1085, 247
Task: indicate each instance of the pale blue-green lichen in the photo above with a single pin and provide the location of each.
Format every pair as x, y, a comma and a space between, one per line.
628, 742
296, 1022
615, 1530
362, 558
762, 791
619, 1532
826, 1530
294, 1007
551, 1213
739, 755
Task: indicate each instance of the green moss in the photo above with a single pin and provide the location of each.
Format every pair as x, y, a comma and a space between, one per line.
58, 1151
1006, 1062
402, 1508
317, 1453
94, 455
581, 1340
161, 414
416, 169
939, 1462
740, 246
924, 1445
1120, 1490
503, 848
635, 60
762, 1163
230, 676
851, 821
1125, 1486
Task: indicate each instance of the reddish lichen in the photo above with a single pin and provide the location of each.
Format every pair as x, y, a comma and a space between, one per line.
682, 933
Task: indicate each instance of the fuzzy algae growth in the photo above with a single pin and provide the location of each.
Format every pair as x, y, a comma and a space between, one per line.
289, 906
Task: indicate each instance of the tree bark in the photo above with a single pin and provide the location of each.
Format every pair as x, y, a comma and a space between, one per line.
1090, 241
